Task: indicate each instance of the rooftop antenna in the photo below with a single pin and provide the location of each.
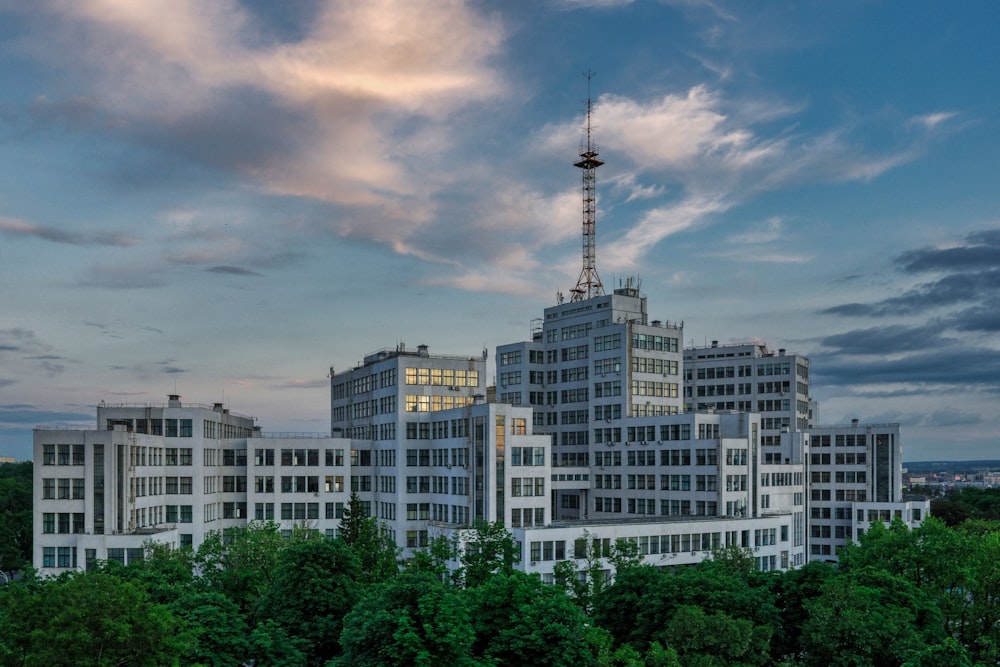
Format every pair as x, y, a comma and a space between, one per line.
589, 283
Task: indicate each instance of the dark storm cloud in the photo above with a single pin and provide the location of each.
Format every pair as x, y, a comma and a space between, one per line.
971, 273
232, 270
985, 318
981, 250
948, 291
886, 340
19, 413
965, 367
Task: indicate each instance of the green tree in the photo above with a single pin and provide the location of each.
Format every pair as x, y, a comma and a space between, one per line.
86, 619
212, 629
949, 653
15, 515
352, 521
315, 585
270, 646
241, 562
413, 619
868, 617
434, 559
518, 620
490, 549
709, 639
793, 590
617, 608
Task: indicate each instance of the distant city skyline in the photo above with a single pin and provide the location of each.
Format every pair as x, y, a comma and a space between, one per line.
224, 200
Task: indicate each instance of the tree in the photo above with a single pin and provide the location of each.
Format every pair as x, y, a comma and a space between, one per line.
212, 630
413, 619
353, 519
793, 590
708, 639
15, 515
617, 608
521, 621
435, 557
271, 645
490, 549
241, 562
316, 584
91, 618
868, 617
948, 653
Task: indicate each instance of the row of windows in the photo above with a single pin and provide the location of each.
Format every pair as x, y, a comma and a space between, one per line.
63, 489
668, 457
653, 365
527, 517
852, 458
841, 440
62, 455
652, 388
437, 457
437, 484
420, 403
651, 342
442, 377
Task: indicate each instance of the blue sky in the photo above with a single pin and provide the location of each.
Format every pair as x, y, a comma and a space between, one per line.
228, 198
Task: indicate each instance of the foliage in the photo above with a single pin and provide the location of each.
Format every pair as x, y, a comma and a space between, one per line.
15, 515
716, 638
919, 598
490, 549
518, 620
980, 503
868, 617
241, 562
84, 619
413, 619
315, 586
435, 557
212, 630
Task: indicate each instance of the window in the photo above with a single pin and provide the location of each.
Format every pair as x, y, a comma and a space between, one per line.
48, 455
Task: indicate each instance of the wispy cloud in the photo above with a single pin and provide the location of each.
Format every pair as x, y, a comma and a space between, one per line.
20, 228
932, 120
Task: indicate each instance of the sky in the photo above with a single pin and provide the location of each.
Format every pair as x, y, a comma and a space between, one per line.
227, 199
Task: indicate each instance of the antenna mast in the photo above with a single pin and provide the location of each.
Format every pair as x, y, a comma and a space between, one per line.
589, 284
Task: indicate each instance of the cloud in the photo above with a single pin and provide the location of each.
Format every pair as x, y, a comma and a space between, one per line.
591, 4
969, 271
19, 413
887, 340
24, 341
979, 250
126, 276
318, 383
19, 228
932, 120
958, 365
232, 270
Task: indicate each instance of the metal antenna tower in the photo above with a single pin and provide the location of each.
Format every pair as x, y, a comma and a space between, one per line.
589, 284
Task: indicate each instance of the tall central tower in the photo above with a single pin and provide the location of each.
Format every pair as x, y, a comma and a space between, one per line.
589, 283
